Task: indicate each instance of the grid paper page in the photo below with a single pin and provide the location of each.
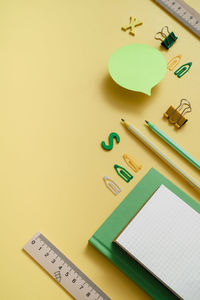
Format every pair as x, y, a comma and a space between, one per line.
165, 238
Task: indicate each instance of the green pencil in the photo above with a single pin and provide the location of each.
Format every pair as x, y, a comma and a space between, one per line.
175, 146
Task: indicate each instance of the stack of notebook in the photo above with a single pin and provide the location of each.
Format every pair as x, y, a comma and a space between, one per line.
154, 237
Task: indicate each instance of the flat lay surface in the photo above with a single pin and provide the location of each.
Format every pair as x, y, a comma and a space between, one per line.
58, 103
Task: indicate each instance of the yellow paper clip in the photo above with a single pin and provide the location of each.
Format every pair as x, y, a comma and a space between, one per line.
132, 162
174, 62
176, 115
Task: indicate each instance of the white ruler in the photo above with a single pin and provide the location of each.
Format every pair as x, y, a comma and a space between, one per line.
184, 13
63, 270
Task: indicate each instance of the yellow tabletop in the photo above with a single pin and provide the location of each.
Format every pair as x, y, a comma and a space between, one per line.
57, 104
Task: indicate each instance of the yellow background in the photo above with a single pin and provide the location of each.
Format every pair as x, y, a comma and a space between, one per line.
57, 104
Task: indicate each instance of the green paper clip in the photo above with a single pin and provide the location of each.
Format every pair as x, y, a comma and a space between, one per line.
183, 69
169, 39
123, 173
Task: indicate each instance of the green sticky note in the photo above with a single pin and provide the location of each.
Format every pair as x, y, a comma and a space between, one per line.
137, 67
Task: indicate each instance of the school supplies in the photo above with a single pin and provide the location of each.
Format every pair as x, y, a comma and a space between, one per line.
68, 275
162, 156
167, 38
137, 67
112, 185
176, 115
132, 162
164, 237
133, 23
103, 238
183, 69
174, 62
123, 173
184, 13
112, 136
180, 71
174, 145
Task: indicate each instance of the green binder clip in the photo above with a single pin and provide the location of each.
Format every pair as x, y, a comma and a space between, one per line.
183, 69
123, 173
167, 39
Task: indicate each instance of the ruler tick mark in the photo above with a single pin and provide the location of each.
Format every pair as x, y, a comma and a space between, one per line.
183, 12
76, 282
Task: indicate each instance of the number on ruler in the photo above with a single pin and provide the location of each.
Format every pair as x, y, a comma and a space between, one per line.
63, 270
183, 12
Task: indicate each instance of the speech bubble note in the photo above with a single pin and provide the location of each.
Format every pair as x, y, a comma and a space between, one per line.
137, 67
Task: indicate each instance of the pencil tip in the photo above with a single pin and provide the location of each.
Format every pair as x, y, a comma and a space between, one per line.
122, 120
146, 121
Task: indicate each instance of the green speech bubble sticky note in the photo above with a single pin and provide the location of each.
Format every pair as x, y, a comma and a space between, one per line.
137, 67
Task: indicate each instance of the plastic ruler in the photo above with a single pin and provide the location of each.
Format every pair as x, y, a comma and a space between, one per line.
184, 13
62, 269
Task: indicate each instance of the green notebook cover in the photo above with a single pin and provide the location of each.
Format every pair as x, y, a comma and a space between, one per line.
103, 237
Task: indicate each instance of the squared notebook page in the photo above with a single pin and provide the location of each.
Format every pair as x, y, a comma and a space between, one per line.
164, 236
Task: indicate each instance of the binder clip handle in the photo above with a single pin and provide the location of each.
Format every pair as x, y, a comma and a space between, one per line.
186, 103
162, 33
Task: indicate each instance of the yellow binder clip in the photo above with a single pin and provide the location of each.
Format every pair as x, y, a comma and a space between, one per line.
132, 162
176, 115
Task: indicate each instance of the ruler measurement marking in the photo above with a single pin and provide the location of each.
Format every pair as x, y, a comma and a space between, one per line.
63, 270
184, 13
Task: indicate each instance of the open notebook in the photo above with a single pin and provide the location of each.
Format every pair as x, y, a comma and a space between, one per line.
164, 236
